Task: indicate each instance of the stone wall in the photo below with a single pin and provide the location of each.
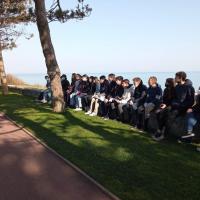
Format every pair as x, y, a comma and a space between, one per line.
25, 91
176, 126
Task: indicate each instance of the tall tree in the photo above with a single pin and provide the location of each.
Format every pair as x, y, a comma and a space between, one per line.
43, 17
11, 13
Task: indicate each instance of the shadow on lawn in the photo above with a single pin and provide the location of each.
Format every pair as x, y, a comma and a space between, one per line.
130, 164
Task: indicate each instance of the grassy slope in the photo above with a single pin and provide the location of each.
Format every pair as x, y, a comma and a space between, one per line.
126, 162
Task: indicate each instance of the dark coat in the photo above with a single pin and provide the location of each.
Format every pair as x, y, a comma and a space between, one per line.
154, 95
92, 89
111, 88
104, 87
117, 91
139, 94
84, 87
65, 84
168, 96
184, 97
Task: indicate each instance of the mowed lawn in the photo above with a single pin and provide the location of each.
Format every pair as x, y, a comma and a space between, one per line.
128, 163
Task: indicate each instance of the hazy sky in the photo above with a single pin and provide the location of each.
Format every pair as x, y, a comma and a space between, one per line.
119, 36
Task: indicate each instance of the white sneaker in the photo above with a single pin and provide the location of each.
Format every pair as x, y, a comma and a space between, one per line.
78, 109
158, 138
198, 149
93, 114
44, 101
189, 135
88, 113
106, 118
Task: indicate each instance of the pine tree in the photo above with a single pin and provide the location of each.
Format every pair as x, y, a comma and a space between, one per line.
43, 17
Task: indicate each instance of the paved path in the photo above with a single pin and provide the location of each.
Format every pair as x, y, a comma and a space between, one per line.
29, 171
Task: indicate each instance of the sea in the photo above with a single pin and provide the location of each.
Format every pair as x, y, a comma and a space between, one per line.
161, 76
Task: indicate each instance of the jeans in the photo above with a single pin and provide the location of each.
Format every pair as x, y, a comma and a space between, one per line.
47, 95
191, 121
72, 99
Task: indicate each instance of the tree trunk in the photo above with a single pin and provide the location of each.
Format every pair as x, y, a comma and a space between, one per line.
50, 57
3, 79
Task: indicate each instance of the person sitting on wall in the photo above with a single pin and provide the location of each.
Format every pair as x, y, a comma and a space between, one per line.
184, 97
192, 119
75, 90
65, 86
136, 105
98, 97
153, 99
45, 96
164, 111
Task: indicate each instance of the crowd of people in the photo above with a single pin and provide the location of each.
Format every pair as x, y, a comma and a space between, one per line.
117, 98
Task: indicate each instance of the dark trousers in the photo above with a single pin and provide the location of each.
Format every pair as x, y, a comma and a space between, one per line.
86, 100
137, 116
162, 117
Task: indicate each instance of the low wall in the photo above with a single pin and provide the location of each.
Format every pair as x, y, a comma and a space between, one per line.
176, 126
25, 91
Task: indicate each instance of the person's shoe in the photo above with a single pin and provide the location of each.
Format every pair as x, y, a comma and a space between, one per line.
198, 149
88, 113
188, 135
78, 109
158, 137
134, 127
92, 114
185, 140
106, 118
44, 101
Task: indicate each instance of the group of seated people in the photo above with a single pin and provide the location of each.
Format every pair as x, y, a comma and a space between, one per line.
116, 98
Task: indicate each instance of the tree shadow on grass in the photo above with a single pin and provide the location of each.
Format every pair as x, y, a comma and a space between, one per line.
128, 163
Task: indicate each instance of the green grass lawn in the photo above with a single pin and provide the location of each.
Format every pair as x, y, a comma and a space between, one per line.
128, 163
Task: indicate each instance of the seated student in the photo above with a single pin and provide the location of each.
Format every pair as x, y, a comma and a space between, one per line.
75, 91
45, 96
153, 99
193, 117
164, 111
112, 84
65, 86
109, 105
82, 91
123, 102
111, 88
94, 106
184, 94
136, 104
86, 100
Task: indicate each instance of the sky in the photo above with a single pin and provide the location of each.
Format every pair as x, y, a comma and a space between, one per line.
119, 36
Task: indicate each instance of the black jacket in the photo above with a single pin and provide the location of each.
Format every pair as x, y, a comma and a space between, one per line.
184, 97
118, 91
104, 87
84, 87
65, 84
168, 96
92, 89
139, 94
111, 88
